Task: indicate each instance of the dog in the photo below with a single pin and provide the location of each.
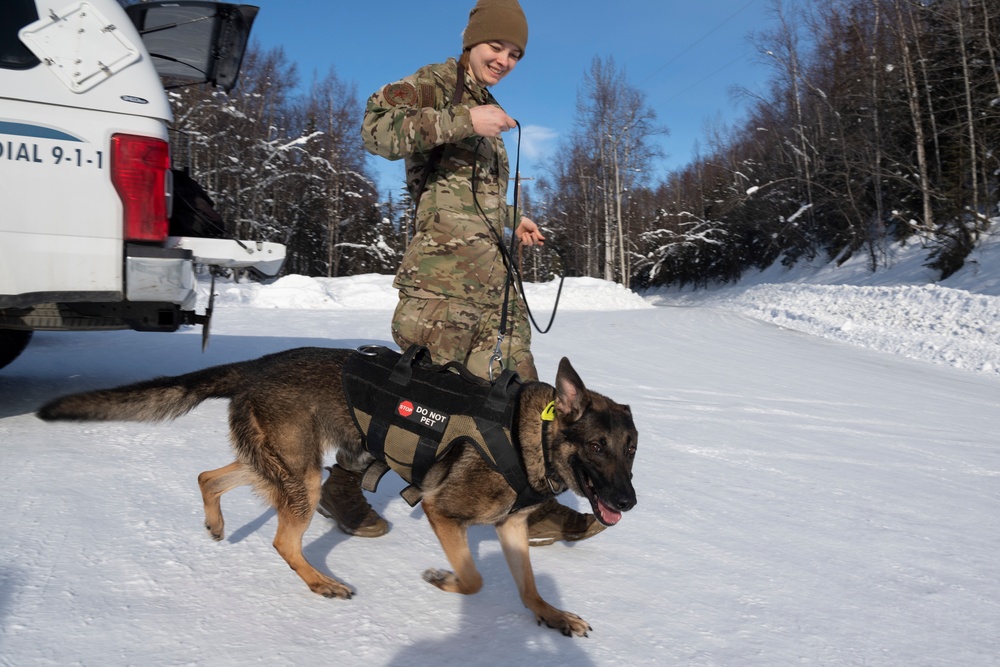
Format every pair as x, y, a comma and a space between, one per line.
288, 409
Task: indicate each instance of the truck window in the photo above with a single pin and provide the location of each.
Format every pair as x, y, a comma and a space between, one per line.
13, 53
194, 42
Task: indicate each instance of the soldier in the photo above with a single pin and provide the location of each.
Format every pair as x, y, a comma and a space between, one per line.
446, 125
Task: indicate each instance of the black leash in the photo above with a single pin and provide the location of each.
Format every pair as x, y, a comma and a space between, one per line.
507, 256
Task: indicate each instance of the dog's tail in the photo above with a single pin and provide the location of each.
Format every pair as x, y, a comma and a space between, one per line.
149, 401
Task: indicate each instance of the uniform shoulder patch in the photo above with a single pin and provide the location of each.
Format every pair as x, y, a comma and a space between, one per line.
400, 94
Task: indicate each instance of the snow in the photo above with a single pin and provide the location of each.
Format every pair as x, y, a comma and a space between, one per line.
818, 478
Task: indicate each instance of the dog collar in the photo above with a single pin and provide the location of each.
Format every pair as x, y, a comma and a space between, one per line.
548, 416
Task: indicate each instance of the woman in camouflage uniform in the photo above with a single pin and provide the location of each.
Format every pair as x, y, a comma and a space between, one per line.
447, 126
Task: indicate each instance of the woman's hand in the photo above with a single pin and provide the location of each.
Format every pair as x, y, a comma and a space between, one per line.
490, 121
528, 233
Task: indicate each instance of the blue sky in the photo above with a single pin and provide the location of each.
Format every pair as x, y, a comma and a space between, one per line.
686, 56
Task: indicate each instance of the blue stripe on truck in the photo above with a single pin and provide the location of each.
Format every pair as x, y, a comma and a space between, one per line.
36, 131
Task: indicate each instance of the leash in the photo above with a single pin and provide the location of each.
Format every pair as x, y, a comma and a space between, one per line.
510, 264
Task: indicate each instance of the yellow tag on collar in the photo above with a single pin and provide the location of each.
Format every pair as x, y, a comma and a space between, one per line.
549, 413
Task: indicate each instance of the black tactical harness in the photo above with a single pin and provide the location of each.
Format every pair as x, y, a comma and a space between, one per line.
411, 412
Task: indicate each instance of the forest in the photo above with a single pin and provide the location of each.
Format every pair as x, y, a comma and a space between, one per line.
880, 125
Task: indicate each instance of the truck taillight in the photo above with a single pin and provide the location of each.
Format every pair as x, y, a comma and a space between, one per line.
139, 168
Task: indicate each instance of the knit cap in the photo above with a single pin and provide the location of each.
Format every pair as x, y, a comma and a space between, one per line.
496, 20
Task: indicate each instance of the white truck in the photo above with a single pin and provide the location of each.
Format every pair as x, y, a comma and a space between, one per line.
86, 192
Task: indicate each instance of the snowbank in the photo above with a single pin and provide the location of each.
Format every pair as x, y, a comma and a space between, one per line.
899, 310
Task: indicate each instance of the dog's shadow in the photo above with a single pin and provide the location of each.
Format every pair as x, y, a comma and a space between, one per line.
495, 625
494, 621
251, 527
316, 551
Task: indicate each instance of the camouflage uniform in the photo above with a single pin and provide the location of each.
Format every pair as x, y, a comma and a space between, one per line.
451, 280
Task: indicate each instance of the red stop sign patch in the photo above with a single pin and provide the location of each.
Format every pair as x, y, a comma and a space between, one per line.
405, 408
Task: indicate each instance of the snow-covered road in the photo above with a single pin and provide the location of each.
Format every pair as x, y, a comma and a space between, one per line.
801, 501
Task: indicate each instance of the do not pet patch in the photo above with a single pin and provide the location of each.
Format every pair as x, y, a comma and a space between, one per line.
422, 415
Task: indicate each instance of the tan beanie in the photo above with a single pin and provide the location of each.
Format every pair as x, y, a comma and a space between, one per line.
493, 20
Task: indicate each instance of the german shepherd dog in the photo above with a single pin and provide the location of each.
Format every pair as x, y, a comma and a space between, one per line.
287, 409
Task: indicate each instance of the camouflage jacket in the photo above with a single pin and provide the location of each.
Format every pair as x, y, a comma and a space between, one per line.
453, 253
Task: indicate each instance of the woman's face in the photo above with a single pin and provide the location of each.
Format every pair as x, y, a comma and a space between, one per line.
491, 61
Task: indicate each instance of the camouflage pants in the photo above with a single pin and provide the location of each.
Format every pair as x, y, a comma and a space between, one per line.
457, 330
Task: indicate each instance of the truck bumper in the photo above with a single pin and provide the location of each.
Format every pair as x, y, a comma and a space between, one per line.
160, 295
262, 258
164, 275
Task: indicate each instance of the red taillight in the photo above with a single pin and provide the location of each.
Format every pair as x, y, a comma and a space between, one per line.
139, 167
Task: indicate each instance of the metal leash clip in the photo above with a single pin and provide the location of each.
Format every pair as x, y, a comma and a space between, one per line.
497, 357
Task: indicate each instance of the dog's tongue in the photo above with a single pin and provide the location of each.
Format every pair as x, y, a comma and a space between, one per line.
609, 517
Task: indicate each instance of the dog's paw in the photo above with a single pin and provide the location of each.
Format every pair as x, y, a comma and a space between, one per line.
332, 589
469, 584
569, 624
216, 533
443, 579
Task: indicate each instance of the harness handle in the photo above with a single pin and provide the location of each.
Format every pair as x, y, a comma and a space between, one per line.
402, 373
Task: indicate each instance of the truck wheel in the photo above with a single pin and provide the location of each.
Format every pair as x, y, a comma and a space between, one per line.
12, 343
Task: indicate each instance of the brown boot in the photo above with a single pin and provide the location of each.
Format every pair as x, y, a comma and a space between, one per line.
552, 522
342, 500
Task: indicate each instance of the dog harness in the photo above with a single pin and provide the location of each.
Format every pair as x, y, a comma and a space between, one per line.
411, 412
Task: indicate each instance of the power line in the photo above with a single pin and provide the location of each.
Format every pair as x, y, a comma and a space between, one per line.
697, 83
696, 43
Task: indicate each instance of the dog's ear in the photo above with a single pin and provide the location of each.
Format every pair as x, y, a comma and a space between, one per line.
571, 396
